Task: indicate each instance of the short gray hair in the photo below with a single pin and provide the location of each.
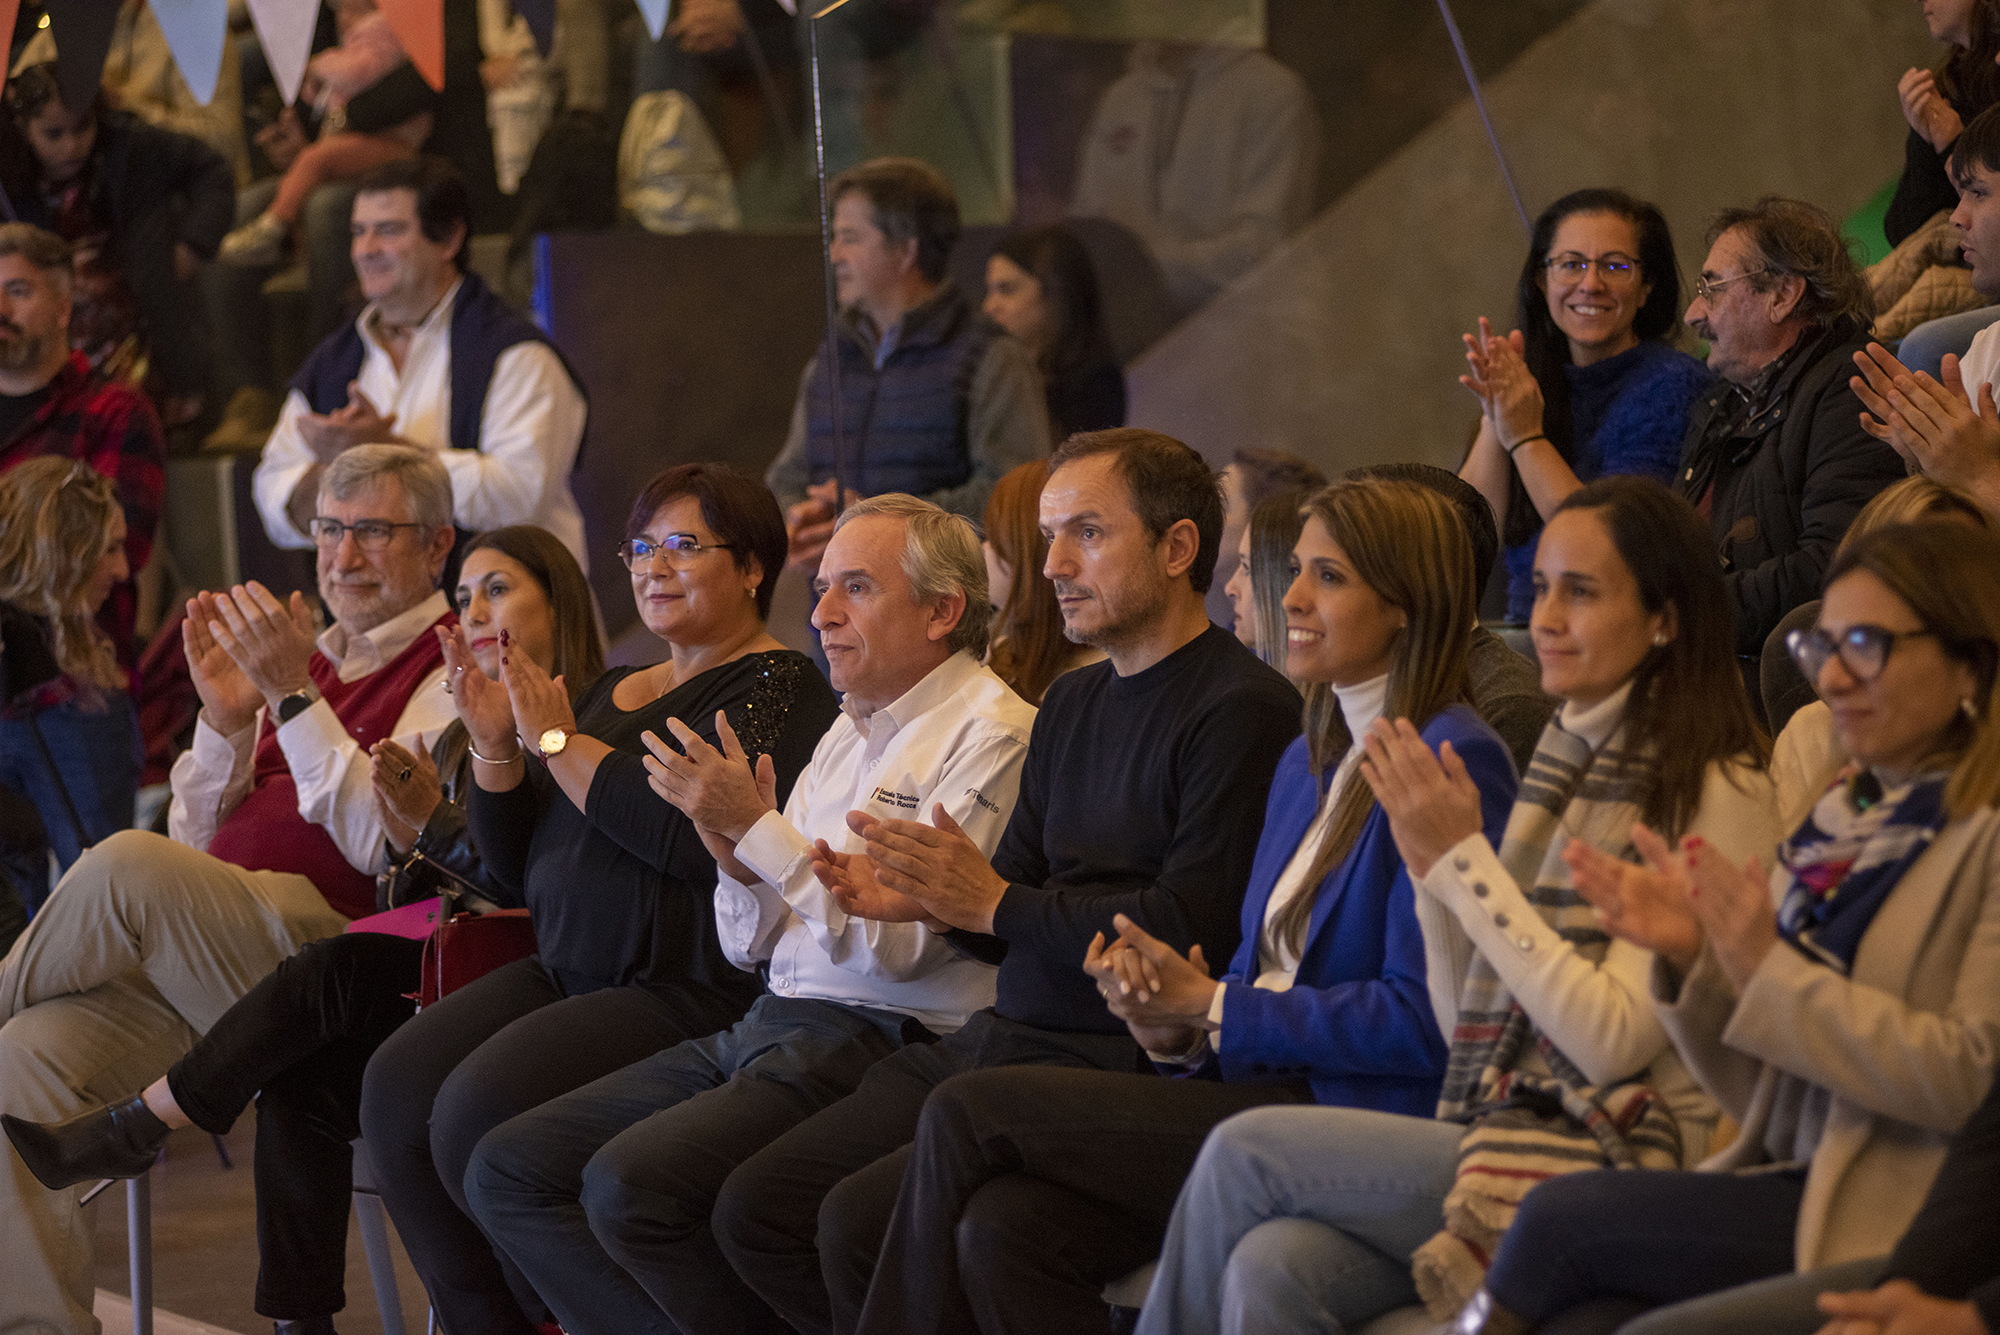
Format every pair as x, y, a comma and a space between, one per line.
423, 477
941, 556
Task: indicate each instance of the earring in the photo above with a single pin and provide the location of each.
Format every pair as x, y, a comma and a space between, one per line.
1969, 709
1659, 639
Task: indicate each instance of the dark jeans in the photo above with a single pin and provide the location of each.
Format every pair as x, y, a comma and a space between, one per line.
803, 1219
1643, 1237
96, 755
1029, 1189
303, 1037
602, 1197
487, 1053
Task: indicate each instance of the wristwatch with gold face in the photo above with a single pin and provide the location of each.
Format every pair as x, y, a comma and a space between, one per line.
552, 742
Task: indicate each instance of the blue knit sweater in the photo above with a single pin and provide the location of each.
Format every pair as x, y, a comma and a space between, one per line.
1628, 414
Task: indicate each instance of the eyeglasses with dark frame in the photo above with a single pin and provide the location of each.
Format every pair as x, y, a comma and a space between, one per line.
1615, 268
681, 550
1863, 649
370, 535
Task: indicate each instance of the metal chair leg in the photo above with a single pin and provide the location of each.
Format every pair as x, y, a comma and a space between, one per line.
139, 1249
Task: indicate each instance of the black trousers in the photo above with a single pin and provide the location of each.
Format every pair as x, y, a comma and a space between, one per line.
1028, 1190
487, 1053
802, 1220
302, 1037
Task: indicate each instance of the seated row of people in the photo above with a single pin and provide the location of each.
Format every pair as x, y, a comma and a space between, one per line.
833, 1164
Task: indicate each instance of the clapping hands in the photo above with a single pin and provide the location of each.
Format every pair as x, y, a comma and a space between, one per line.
1162, 997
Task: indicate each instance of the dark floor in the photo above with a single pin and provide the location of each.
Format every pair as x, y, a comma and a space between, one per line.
205, 1245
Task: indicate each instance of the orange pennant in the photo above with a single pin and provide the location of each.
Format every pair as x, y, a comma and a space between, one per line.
419, 26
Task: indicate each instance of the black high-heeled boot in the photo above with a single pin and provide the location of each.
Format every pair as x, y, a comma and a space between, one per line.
120, 1140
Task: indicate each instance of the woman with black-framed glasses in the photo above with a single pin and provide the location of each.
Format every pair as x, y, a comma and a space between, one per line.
1591, 383
1840, 1007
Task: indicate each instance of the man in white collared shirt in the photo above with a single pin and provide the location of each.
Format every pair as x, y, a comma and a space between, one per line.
146, 941
437, 360
603, 1197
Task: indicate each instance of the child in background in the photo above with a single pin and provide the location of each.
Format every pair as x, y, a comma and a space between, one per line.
374, 108
521, 92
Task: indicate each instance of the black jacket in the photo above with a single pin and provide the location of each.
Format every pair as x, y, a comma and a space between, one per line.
158, 187
444, 860
1788, 481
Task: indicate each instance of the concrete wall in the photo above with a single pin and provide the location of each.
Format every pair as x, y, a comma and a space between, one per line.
1343, 344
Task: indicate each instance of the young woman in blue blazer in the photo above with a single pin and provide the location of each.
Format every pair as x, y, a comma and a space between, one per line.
1030, 1187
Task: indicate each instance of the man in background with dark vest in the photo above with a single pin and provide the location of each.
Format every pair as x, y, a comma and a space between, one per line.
435, 360
935, 399
276, 839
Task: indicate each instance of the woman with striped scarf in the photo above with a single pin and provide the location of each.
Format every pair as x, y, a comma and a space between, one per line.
1845, 1008
1323, 1218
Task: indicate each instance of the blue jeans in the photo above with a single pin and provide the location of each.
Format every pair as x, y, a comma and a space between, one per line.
1781, 1306
97, 760
602, 1197
1924, 347
1301, 1219
1647, 1237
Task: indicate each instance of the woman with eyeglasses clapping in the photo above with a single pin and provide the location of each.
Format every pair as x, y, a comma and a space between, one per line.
620, 884
1852, 1028
1591, 383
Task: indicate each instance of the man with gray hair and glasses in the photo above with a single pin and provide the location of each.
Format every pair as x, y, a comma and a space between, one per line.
603, 1197
1775, 458
275, 841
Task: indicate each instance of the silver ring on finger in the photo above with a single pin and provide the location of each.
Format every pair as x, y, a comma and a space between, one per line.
403, 775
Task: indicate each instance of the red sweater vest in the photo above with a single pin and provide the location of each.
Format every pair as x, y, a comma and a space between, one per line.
266, 832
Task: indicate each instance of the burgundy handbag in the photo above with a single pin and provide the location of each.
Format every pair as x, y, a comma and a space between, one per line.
468, 946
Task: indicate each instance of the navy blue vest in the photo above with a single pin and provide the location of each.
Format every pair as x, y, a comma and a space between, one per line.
482, 327
904, 427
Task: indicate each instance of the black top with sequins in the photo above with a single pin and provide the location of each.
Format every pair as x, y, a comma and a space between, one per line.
623, 891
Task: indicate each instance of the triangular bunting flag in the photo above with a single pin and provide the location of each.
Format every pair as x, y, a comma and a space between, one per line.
285, 29
195, 30
9, 10
82, 29
655, 14
419, 26
541, 17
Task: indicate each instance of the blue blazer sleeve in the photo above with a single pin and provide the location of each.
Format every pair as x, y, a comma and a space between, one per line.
1358, 1020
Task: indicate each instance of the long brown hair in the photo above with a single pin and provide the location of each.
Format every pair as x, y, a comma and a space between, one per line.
1688, 708
1968, 76
1407, 544
55, 526
579, 654
1028, 647
1949, 576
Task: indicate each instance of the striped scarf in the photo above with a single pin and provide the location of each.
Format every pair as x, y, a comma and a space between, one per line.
1532, 1113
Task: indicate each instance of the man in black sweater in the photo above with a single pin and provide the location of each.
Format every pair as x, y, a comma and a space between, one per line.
1143, 794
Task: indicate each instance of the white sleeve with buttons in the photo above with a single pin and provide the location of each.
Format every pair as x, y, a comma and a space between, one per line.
1600, 1015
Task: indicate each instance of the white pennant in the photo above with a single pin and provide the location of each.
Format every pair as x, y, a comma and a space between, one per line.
195, 30
655, 14
285, 27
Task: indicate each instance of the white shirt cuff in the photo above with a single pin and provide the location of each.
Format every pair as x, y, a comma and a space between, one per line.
773, 848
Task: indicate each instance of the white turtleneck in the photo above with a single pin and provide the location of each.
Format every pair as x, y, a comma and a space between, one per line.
1594, 724
1277, 961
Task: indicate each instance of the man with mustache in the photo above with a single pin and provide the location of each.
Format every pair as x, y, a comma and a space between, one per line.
934, 399
276, 839
51, 402
1143, 794
1775, 458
